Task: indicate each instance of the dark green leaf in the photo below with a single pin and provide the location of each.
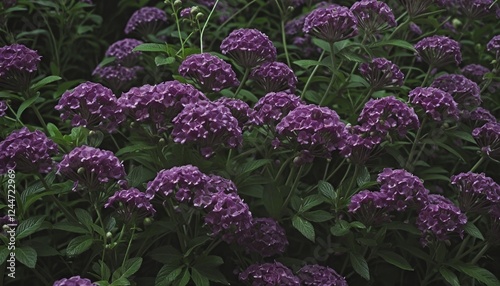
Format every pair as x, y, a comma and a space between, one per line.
340, 228
129, 268
121, 282
363, 177
397, 43
273, 200
84, 217
70, 227
27, 103
327, 190
4, 253
44, 81
449, 276
166, 254
198, 279
28, 226
252, 165
166, 275
478, 273
317, 216
310, 202
395, 259
79, 245
207, 266
185, 278
304, 227
360, 265
472, 230
161, 60
151, 47
26, 255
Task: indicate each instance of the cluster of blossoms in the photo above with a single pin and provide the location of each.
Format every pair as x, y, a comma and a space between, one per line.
317, 275
494, 45
369, 207
265, 237
91, 105
380, 117
415, 29
475, 72
158, 104
415, 8
381, 73
358, 147
271, 108
373, 16
269, 274
131, 202
317, 130
248, 47
74, 281
274, 77
208, 125
480, 116
209, 72
475, 9
402, 189
123, 51
464, 91
239, 109
17, 65
90, 167
3, 108
439, 218
488, 138
117, 77
436, 103
438, 51
332, 23
145, 21
27, 151
477, 192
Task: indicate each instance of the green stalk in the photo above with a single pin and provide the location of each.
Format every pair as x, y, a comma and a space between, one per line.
414, 145
243, 80
205, 25
478, 164
294, 186
311, 76
129, 244
332, 78
427, 76
283, 39
104, 237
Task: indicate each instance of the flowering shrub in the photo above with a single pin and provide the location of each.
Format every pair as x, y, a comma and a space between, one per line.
250, 142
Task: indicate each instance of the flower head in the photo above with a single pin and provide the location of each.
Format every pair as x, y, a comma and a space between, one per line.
494, 45
131, 202
370, 208
439, 218
3, 108
477, 192
248, 47
207, 124
239, 109
436, 103
274, 77
205, 197
269, 274
145, 21
415, 29
332, 23
117, 77
317, 275
373, 16
383, 116
90, 167
464, 91
91, 105
27, 151
158, 104
488, 138
381, 73
475, 72
415, 7
475, 9
123, 51
439, 51
17, 66
74, 281
209, 72
271, 108
402, 189
358, 147
481, 116
266, 237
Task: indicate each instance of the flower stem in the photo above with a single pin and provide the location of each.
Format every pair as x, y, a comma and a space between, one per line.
205, 25
332, 78
283, 39
104, 237
477, 164
311, 76
427, 76
128, 246
55, 200
294, 186
243, 80
40, 118
480, 254
414, 145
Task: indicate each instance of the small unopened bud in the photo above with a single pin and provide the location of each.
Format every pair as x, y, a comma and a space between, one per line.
148, 221
162, 142
81, 170
200, 16
133, 124
456, 23
177, 3
195, 10
109, 234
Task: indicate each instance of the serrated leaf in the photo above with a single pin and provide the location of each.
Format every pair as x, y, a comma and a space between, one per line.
310, 202
363, 177
28, 226
150, 47
395, 259
317, 216
304, 227
306, 63
478, 273
70, 227
121, 282
397, 43
252, 165
340, 228
161, 60
198, 279
273, 200
166, 275
207, 266
4, 253
44, 81
27, 256
449, 276
327, 190
472, 230
79, 245
129, 268
166, 254
360, 265
84, 217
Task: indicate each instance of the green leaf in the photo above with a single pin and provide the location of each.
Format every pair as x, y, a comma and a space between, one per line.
70, 227
310, 202
161, 60
360, 265
105, 273
472, 230
129, 268
4, 253
106, 61
166, 255
134, 148
185, 279
466, 136
327, 190
84, 217
304, 227
198, 279
139, 175
273, 200
26, 255
306, 63
79, 245
252, 165
341, 228
27, 103
53, 130
444, 146
195, 242
167, 275
317, 216
28, 226
449, 276
363, 177
478, 273
151, 47
121, 282
207, 266
44, 81
395, 259
397, 43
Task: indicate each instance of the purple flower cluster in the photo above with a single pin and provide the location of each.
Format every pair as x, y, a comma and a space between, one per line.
403, 189
477, 192
358, 147
439, 218
3, 108
27, 151
271, 108
436, 103
207, 124
74, 281
274, 77
415, 29
182, 182
382, 116
123, 51
315, 129
475, 72
332, 23
117, 77
131, 202
248, 47
269, 274
90, 167
494, 45
464, 91
370, 208
17, 58
146, 21
373, 16
415, 7
317, 275
204, 198
481, 115
239, 109
209, 72
381, 73
475, 9
158, 104
439, 51
91, 105
488, 138
266, 237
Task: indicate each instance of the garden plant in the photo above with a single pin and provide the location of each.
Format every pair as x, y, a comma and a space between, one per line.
249, 142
